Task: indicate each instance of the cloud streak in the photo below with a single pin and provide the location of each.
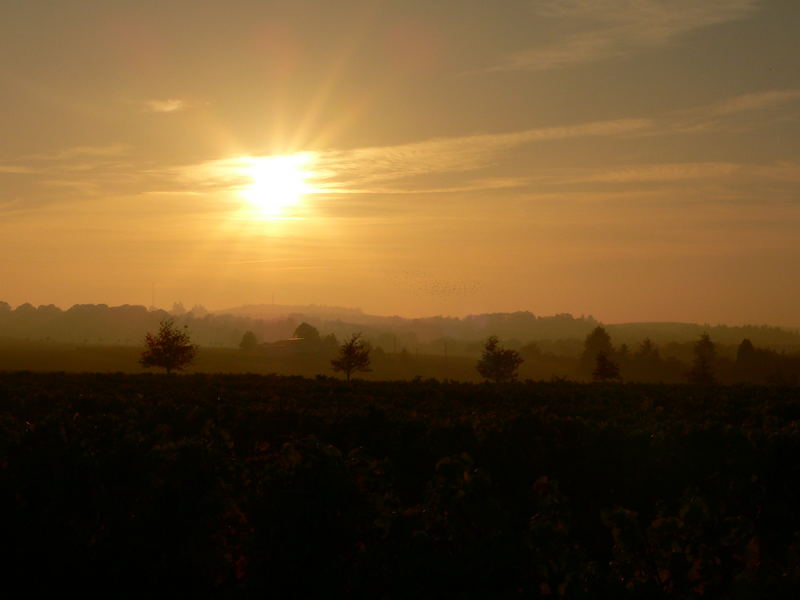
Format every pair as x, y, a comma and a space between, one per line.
602, 29
393, 169
711, 117
364, 169
15, 169
663, 173
756, 101
110, 150
477, 163
428, 167
169, 105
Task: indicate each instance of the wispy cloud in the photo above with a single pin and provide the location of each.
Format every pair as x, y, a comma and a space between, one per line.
756, 101
719, 115
361, 169
77, 172
664, 172
168, 105
595, 30
467, 185
86, 186
15, 169
669, 175
429, 166
110, 150
454, 165
781, 171
402, 169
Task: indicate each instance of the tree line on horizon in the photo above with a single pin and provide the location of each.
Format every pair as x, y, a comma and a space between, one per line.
302, 348
560, 334
600, 361
399, 356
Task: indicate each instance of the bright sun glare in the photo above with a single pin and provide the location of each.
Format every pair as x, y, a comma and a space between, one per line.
277, 182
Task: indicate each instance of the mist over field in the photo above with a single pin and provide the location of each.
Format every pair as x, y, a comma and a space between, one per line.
270, 339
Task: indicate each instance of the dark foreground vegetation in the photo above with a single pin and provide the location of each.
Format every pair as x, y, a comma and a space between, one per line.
258, 486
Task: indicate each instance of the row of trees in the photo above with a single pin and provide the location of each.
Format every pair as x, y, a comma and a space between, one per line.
172, 349
598, 359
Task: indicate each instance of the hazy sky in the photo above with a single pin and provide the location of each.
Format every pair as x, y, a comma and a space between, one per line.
632, 159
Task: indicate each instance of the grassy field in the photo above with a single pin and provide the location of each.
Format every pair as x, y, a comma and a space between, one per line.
81, 358
250, 485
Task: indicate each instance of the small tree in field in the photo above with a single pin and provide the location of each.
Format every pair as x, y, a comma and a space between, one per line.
705, 355
605, 369
353, 356
170, 349
249, 342
596, 343
498, 364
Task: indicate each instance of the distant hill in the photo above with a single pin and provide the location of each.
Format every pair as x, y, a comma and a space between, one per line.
517, 327
269, 312
664, 333
560, 334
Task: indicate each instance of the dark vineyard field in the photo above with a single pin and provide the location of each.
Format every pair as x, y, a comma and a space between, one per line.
264, 486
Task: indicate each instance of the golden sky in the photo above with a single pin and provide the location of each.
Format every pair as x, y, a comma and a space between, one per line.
637, 160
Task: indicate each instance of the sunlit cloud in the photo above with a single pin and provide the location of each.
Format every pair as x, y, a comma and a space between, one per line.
757, 101
706, 182
601, 29
665, 172
786, 171
719, 115
380, 169
77, 172
439, 166
470, 185
85, 151
85, 186
15, 169
369, 169
169, 105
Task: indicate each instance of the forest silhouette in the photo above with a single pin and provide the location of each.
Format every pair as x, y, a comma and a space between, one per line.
303, 340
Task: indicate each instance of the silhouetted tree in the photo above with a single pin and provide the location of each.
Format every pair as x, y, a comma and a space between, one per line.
249, 342
531, 350
597, 342
353, 356
199, 311
745, 353
170, 349
763, 365
647, 364
605, 369
329, 345
702, 371
497, 363
648, 351
308, 332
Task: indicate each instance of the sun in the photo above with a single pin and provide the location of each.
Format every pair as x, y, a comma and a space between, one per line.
278, 183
